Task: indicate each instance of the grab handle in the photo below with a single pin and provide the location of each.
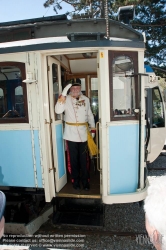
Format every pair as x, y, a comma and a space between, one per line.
97, 143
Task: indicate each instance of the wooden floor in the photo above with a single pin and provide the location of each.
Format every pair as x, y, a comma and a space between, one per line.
94, 192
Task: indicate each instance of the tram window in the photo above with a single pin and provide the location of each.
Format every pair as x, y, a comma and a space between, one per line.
13, 97
158, 119
123, 87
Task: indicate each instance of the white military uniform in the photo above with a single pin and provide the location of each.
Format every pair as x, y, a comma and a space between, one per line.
76, 111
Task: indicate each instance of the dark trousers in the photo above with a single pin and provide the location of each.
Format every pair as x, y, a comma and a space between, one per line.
78, 161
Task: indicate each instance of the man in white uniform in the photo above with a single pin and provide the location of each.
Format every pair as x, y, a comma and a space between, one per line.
77, 115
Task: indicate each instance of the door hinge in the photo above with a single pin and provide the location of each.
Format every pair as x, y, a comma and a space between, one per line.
52, 169
46, 122
98, 65
48, 68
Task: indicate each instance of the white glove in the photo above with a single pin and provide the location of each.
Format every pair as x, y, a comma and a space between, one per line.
64, 92
93, 133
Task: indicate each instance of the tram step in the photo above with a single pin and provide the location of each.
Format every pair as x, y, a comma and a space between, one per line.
78, 205
75, 211
78, 218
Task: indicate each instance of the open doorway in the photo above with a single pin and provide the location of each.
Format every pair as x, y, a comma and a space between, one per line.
65, 67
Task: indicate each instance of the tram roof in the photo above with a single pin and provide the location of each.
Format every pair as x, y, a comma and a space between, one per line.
58, 32
34, 20
59, 25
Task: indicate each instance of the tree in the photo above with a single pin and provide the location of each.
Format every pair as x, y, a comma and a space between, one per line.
93, 7
150, 17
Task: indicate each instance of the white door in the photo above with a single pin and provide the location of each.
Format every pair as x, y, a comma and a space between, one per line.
58, 151
157, 124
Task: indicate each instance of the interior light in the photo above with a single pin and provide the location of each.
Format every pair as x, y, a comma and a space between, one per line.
87, 55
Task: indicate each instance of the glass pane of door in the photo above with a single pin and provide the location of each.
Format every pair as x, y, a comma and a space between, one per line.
94, 97
55, 82
158, 118
123, 87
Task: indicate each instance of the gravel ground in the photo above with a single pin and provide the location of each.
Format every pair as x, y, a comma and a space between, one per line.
118, 217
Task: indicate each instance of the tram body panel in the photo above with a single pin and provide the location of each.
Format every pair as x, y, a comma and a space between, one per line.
17, 159
123, 151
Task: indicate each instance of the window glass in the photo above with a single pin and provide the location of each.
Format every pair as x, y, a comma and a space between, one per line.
123, 87
158, 110
55, 82
2, 103
19, 100
13, 104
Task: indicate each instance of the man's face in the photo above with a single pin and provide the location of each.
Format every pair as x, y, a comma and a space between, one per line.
75, 91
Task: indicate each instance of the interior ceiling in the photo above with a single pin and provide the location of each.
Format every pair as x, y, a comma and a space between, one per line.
82, 63
80, 55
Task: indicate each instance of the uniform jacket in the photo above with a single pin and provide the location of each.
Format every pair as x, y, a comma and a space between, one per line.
76, 111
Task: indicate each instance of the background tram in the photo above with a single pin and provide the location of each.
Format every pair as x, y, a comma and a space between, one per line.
36, 58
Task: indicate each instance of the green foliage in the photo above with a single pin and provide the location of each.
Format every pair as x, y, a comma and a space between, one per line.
162, 83
151, 19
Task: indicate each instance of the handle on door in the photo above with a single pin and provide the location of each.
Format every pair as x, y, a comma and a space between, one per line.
97, 143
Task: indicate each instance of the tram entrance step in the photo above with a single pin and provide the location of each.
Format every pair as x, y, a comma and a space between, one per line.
78, 205
78, 218
75, 211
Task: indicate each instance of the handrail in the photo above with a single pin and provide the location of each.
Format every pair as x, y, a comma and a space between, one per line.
97, 143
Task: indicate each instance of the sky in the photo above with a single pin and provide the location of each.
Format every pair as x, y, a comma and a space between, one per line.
12, 10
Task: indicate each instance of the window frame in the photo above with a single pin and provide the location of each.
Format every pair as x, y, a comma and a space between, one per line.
134, 57
25, 119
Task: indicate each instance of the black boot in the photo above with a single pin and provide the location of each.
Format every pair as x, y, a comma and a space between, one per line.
76, 185
86, 185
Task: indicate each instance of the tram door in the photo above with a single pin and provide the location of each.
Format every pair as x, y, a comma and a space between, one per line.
56, 131
123, 129
156, 119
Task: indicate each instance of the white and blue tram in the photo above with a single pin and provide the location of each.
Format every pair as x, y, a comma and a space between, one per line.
36, 57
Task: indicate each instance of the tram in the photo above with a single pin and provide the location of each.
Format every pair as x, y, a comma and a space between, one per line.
37, 57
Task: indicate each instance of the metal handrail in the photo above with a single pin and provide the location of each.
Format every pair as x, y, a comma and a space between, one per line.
97, 143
